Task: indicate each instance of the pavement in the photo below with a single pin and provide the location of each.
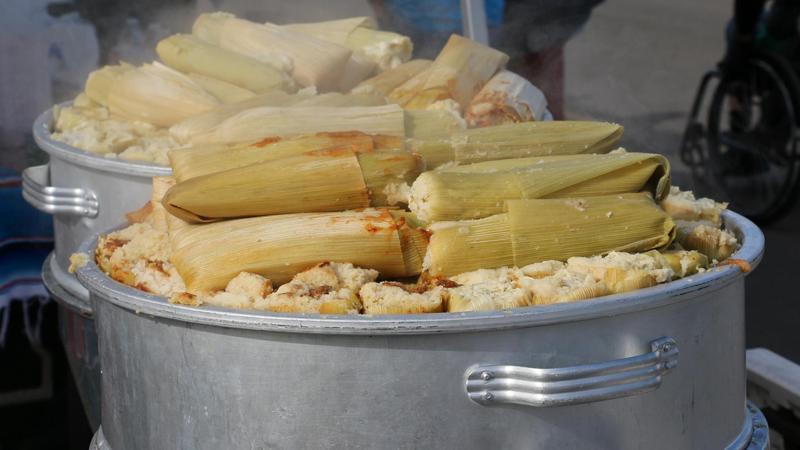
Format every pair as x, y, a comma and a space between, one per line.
638, 63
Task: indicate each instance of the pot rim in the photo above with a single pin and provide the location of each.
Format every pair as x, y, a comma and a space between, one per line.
107, 289
42, 131
60, 293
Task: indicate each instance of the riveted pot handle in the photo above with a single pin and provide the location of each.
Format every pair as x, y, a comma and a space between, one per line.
56, 200
500, 384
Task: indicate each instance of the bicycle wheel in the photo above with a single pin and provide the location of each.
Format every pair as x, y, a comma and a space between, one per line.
752, 140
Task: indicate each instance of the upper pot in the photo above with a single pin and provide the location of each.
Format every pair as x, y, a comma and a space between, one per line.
85, 192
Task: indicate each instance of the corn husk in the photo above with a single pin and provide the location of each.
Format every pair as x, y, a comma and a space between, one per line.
706, 238
506, 98
403, 93
682, 262
158, 95
315, 62
478, 190
188, 53
384, 49
202, 123
553, 229
160, 187
682, 205
458, 73
358, 67
278, 247
384, 83
313, 182
99, 82
190, 162
254, 124
225, 92
519, 140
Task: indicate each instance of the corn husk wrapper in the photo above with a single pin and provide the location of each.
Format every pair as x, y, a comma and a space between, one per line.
190, 162
547, 138
188, 53
458, 73
278, 247
156, 94
314, 182
225, 92
683, 205
358, 66
203, 123
706, 238
314, 62
160, 187
478, 190
682, 262
406, 91
383, 49
506, 98
99, 82
254, 124
384, 83
549, 229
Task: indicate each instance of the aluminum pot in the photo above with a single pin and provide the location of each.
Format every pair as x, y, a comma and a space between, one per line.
86, 193
79, 338
659, 368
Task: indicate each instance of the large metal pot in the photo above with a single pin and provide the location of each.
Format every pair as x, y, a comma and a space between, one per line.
659, 368
78, 335
86, 193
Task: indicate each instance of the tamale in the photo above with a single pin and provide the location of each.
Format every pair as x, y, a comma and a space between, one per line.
315, 62
278, 247
99, 82
428, 134
254, 124
225, 92
549, 229
188, 53
190, 162
682, 205
358, 66
458, 72
707, 238
202, 123
384, 83
518, 140
506, 98
158, 95
313, 182
682, 262
384, 49
406, 91
478, 190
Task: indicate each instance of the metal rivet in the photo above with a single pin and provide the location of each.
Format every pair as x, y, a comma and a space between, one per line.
488, 396
486, 375
666, 347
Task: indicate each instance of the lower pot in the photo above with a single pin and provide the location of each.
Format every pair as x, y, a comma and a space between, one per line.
659, 368
79, 338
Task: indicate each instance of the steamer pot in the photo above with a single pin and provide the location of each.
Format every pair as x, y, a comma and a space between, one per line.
79, 338
659, 368
86, 193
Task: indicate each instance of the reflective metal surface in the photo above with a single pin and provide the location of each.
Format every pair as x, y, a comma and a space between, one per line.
210, 378
85, 192
79, 338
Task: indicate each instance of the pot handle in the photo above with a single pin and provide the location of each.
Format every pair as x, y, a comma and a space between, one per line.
500, 384
56, 200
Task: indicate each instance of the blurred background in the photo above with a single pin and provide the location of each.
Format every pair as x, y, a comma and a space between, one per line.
635, 62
